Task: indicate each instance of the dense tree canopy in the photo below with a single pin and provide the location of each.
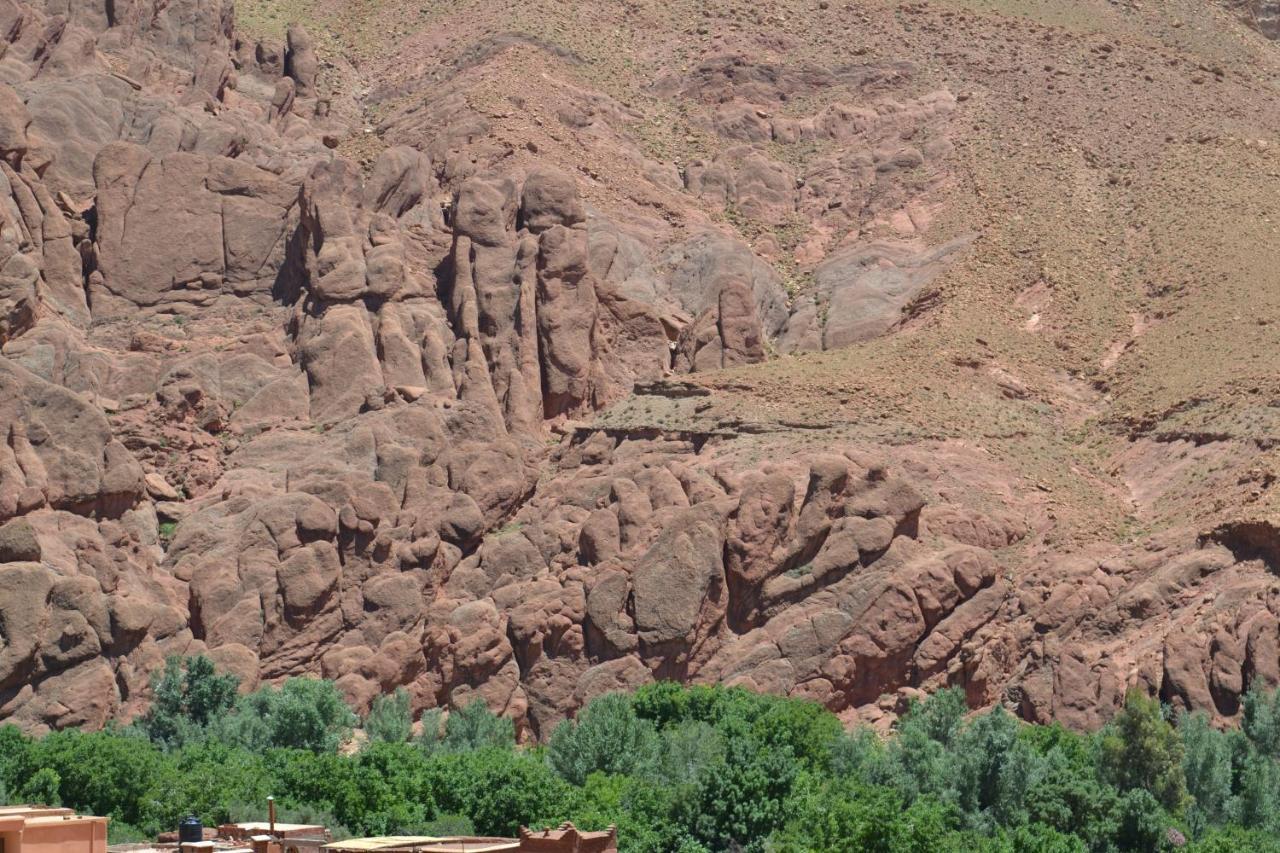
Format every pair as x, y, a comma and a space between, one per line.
187, 696
687, 769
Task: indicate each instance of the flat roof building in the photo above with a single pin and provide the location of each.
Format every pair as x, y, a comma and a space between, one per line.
424, 844
568, 839
279, 830
40, 829
565, 839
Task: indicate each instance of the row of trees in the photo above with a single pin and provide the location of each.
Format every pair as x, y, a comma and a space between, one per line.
676, 769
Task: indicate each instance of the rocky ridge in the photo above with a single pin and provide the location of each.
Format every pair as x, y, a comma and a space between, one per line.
407, 396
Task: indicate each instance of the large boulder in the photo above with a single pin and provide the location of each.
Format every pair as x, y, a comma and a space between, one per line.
300, 60
60, 451
18, 542
725, 335
184, 229
14, 121
861, 293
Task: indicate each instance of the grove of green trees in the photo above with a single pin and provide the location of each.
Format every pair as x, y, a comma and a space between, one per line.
688, 769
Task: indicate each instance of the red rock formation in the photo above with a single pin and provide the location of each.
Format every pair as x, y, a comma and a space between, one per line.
313, 414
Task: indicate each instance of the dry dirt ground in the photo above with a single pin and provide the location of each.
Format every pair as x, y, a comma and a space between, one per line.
1118, 160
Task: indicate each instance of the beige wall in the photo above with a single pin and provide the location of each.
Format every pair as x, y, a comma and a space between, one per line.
10, 840
45, 833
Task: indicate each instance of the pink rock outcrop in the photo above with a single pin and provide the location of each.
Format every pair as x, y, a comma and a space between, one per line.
311, 396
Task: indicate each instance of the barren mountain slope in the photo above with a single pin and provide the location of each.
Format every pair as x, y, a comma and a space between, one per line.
533, 350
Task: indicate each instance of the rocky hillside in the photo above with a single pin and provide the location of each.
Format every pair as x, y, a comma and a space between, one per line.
531, 351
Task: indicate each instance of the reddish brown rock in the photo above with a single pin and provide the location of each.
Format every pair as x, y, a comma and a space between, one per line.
312, 391
300, 61
725, 336
14, 121
184, 229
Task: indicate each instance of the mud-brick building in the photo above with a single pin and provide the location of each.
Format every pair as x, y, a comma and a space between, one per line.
423, 844
38, 829
567, 838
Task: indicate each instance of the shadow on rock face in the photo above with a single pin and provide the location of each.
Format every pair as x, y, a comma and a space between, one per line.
1249, 540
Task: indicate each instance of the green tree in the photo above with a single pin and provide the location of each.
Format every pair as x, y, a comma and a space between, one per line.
322, 781
209, 776
686, 750
208, 695
122, 776
385, 789
844, 815
1038, 838
305, 713
119, 832
664, 703
1207, 758
472, 726
499, 789
14, 749
607, 737
1259, 792
939, 717
1235, 839
805, 728
1070, 799
994, 769
1143, 825
432, 725
726, 770
918, 764
847, 816
639, 807
667, 704
448, 824
920, 759
1076, 750
390, 720
1261, 720
43, 788
187, 696
927, 825
392, 794
1139, 750
742, 798
859, 755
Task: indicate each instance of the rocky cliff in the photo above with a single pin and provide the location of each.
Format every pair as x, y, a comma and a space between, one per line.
839, 350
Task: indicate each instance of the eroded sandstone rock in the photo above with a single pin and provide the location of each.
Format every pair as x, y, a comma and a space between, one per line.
184, 229
318, 416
